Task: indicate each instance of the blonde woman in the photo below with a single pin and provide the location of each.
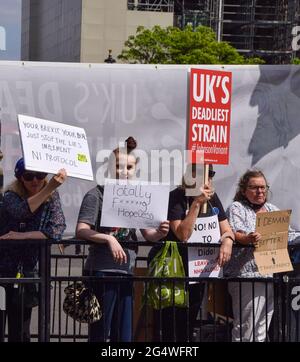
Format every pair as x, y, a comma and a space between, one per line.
33, 210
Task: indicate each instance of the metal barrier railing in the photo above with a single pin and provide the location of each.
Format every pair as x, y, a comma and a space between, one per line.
41, 279
213, 322
213, 328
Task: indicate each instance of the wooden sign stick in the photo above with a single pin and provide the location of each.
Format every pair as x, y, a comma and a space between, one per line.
205, 179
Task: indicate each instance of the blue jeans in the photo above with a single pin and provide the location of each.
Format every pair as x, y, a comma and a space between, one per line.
115, 299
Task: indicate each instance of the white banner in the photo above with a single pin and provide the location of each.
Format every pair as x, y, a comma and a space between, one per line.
149, 102
49, 146
134, 204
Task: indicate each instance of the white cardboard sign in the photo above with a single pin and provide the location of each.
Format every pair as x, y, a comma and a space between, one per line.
49, 146
134, 204
203, 262
206, 230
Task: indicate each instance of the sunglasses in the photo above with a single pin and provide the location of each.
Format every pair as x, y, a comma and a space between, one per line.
29, 176
211, 173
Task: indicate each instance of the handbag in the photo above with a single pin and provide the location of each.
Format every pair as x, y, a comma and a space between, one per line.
167, 263
81, 304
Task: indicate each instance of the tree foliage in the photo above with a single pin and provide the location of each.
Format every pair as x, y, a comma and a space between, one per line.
172, 45
296, 61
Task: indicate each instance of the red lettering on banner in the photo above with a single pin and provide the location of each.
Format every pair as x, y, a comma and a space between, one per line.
200, 262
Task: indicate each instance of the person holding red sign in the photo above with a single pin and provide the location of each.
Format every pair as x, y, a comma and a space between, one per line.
184, 211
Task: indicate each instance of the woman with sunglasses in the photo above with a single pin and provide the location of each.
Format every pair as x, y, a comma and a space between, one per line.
252, 303
33, 210
183, 213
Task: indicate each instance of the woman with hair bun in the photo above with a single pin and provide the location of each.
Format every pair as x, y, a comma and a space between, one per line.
108, 258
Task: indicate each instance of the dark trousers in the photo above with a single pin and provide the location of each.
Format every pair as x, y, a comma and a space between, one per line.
176, 324
115, 299
18, 317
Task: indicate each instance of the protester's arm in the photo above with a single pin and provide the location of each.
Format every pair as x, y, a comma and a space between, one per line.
52, 228
156, 234
183, 229
227, 239
85, 232
15, 235
237, 220
34, 202
247, 239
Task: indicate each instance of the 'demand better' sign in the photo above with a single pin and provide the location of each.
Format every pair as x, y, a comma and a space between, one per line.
271, 256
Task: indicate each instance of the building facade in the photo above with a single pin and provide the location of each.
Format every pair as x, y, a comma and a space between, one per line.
10, 29
84, 30
261, 28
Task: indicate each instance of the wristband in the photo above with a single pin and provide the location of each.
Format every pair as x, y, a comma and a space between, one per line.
230, 237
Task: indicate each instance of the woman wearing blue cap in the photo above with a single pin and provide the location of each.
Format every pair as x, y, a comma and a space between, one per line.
33, 211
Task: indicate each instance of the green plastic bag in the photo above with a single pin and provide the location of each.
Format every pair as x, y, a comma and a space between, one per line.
167, 263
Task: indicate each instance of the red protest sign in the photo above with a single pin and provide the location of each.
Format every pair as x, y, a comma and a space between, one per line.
209, 115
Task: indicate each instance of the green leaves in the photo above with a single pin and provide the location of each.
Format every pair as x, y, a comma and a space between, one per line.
172, 45
296, 61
